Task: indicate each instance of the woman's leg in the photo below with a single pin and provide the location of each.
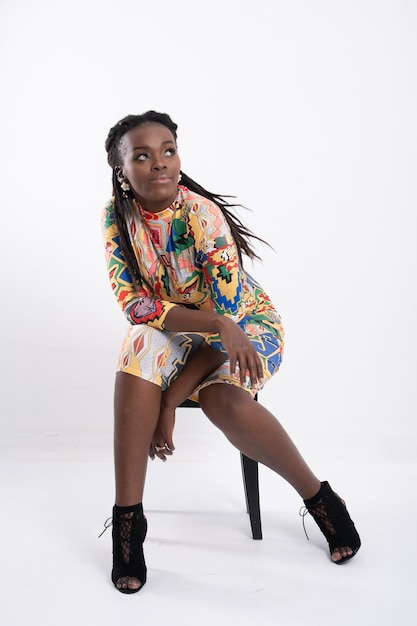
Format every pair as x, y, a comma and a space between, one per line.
136, 408
136, 412
257, 433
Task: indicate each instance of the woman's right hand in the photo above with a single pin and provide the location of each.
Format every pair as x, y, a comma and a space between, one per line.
162, 442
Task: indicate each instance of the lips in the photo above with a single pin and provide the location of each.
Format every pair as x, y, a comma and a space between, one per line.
161, 180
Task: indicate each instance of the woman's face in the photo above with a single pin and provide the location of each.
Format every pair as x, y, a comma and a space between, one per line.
151, 165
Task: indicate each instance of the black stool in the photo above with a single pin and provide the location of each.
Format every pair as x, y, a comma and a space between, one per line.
250, 474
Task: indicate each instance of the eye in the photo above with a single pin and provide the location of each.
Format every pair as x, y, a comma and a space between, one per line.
170, 152
142, 156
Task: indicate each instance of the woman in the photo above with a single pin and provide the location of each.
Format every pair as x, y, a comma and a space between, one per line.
200, 327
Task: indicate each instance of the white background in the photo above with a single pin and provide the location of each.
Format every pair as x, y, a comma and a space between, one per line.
305, 110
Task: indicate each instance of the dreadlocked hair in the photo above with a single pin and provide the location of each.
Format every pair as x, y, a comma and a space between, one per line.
123, 199
241, 234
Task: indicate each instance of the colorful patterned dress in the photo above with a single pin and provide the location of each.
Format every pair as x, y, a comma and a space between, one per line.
188, 257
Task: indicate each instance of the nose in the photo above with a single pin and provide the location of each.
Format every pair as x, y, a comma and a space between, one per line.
158, 164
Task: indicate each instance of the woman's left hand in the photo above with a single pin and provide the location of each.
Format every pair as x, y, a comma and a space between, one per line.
244, 359
162, 444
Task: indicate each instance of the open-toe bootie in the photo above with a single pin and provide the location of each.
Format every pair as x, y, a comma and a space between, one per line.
331, 516
128, 532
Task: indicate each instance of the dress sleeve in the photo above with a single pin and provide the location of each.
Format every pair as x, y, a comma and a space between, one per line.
217, 255
139, 305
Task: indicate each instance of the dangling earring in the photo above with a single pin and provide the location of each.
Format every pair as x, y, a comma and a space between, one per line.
179, 177
123, 183
125, 187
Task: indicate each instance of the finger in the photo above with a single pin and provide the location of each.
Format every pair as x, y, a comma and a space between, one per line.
252, 370
160, 455
168, 449
243, 371
162, 451
243, 368
253, 375
260, 369
256, 372
232, 359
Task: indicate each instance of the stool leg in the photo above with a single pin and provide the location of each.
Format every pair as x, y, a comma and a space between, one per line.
251, 483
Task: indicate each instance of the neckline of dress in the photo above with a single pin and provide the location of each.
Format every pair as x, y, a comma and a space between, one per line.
150, 216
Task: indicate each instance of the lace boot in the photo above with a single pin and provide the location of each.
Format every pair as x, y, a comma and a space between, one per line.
331, 516
128, 532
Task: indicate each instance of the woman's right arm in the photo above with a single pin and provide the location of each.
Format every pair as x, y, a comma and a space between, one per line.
139, 305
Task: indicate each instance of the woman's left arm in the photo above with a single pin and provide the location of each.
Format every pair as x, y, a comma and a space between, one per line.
235, 343
217, 255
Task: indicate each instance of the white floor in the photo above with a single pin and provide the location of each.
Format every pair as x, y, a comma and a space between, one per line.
203, 566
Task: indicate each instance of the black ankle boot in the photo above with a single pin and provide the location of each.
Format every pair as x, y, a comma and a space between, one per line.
333, 519
129, 532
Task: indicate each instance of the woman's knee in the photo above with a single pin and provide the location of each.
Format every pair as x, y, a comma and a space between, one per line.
221, 402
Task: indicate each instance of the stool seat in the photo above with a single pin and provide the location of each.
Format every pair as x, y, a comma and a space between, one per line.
250, 473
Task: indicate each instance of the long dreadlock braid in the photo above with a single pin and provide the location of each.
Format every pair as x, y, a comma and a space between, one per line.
241, 234
123, 199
